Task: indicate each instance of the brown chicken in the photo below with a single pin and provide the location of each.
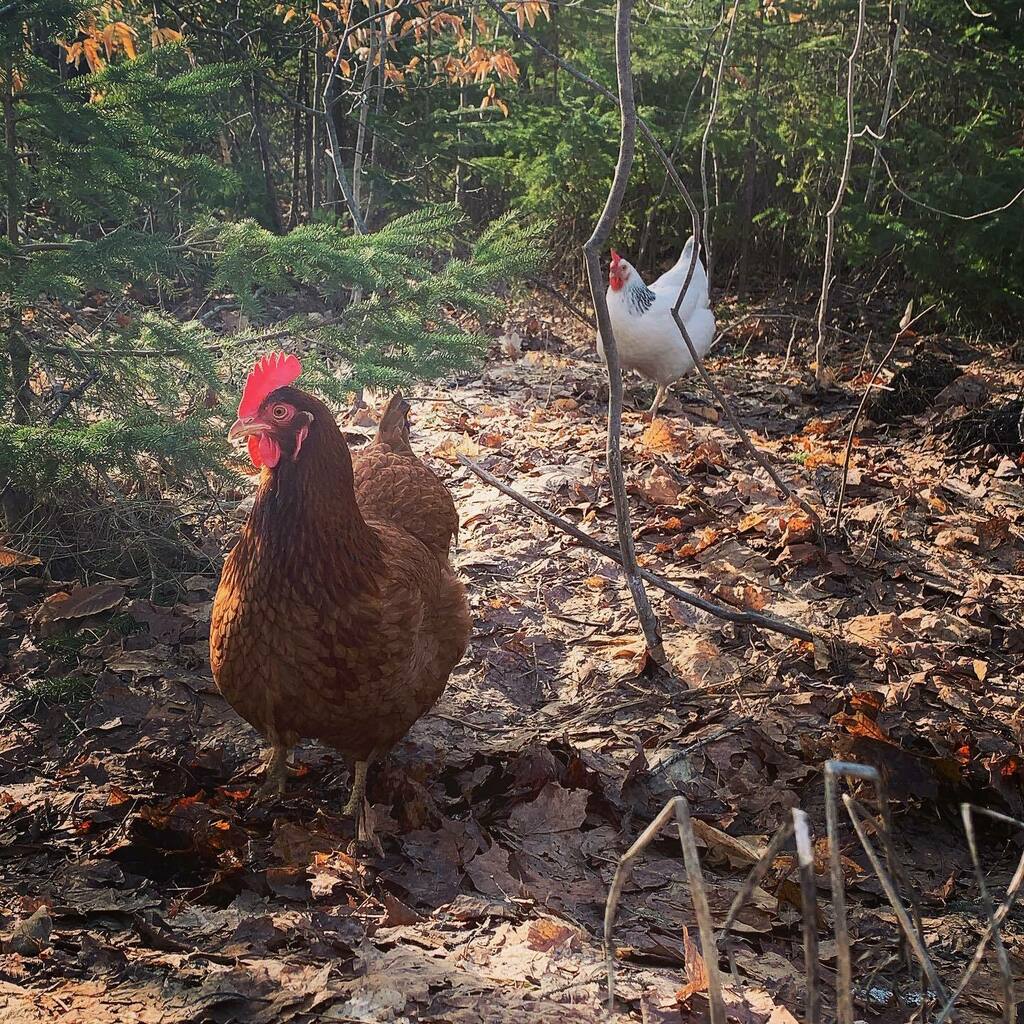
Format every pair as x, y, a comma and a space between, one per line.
338, 616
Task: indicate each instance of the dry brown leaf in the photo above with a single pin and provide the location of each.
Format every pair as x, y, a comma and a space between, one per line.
875, 629
80, 603
10, 559
737, 852
659, 487
858, 724
451, 448
743, 595
546, 934
796, 528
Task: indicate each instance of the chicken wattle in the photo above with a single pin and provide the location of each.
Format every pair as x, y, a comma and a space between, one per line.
646, 335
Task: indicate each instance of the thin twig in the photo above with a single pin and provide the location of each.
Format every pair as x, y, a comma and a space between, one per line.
945, 213
768, 622
592, 254
860, 410
65, 398
883, 121
805, 859
830, 217
857, 816
565, 301
1005, 971
1013, 892
716, 90
679, 809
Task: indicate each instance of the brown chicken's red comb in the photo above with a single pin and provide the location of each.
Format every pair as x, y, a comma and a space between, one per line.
272, 371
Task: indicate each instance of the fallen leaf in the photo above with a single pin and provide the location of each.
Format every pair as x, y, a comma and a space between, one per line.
659, 437
658, 487
696, 970
546, 934
32, 935
10, 559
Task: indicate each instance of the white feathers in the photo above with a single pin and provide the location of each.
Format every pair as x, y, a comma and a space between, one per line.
646, 335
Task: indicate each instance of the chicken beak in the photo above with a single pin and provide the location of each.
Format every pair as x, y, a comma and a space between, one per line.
245, 426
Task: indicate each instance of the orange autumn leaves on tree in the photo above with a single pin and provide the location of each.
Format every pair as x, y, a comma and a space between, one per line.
367, 36
102, 35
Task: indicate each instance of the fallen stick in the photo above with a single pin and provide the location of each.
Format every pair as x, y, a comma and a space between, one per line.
719, 611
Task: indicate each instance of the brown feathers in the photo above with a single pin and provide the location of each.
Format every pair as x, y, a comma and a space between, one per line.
338, 616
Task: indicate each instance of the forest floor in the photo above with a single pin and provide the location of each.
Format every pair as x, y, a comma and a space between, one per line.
143, 883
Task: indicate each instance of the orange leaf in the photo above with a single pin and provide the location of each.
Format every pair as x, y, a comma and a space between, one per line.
9, 558
858, 724
696, 970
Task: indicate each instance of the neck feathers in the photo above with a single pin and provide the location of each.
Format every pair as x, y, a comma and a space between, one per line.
306, 515
640, 298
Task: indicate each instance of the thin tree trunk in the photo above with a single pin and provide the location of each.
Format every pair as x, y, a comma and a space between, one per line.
715, 91
592, 252
317, 198
340, 174
750, 164
309, 98
263, 146
18, 354
820, 376
378, 109
17, 351
364, 111
297, 142
883, 122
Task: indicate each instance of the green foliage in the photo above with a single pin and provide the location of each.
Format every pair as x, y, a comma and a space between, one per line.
123, 204
400, 332
775, 150
61, 691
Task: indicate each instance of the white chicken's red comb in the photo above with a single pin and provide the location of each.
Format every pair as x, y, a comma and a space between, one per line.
616, 258
272, 371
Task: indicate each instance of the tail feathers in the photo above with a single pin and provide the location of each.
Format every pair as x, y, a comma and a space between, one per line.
393, 429
671, 281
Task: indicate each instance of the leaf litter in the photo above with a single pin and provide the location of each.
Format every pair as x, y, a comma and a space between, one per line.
142, 882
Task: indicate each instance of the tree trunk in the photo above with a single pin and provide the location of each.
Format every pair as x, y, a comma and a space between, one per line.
273, 210
310, 99
297, 142
364, 111
18, 354
318, 180
750, 164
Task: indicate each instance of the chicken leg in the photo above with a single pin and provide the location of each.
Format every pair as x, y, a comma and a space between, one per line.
276, 774
659, 397
356, 806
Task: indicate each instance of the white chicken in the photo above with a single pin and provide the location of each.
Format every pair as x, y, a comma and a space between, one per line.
646, 336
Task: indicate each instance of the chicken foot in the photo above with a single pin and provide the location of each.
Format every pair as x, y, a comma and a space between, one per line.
276, 774
356, 806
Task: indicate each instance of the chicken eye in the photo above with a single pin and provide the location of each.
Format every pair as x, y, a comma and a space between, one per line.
279, 412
